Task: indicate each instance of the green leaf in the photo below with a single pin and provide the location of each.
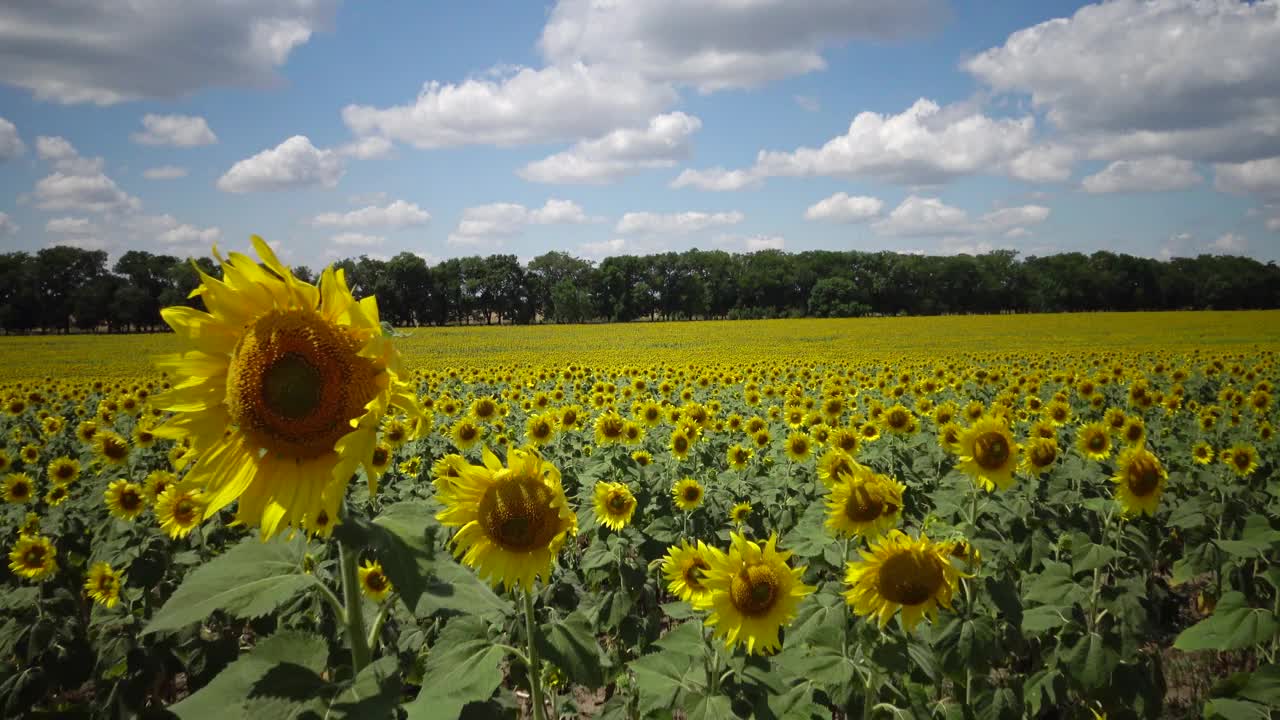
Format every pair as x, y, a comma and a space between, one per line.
1262, 685
462, 667
1232, 626
795, 704
571, 645
711, 707
678, 610
825, 667
1092, 556
1228, 709
248, 581
1188, 514
684, 639
232, 687
457, 589
821, 619
661, 677
375, 692
1091, 662
400, 539
1053, 585
1046, 617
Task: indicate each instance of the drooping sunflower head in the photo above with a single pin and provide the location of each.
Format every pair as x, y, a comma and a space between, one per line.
1094, 441
687, 494
614, 504
33, 557
864, 503
102, 584
512, 520
988, 453
125, 500
1140, 479
1039, 455
901, 572
19, 488
179, 509
753, 593
373, 581
280, 389
684, 567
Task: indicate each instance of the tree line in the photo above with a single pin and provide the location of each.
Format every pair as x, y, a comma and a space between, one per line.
61, 288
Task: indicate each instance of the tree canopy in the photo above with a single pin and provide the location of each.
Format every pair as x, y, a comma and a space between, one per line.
60, 288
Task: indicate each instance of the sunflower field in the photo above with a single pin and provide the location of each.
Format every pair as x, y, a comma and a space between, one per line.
286, 509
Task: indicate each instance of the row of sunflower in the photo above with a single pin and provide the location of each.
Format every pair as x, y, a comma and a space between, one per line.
977, 535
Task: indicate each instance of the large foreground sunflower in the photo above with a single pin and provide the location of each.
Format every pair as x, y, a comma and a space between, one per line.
513, 520
753, 593
901, 572
988, 453
1140, 480
301, 377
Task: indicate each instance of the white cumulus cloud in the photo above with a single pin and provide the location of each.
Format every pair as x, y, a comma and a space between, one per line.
664, 141
675, 223
918, 216
294, 163
484, 223
11, 146
399, 214
353, 239
69, 51
717, 179
845, 208
1255, 176
7, 225
165, 172
175, 130
1152, 174
521, 106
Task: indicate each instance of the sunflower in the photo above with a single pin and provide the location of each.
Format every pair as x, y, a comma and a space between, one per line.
102, 584
680, 444
1134, 431
898, 420
56, 495
1094, 441
373, 581
484, 409
125, 500
30, 454
798, 446
1058, 413
19, 488
412, 467
864, 503
281, 388
738, 457
949, 437
447, 469
753, 593
739, 513
685, 567
33, 557
1038, 456
541, 428
1140, 480
5, 461
1243, 460
833, 464
901, 572
465, 433
614, 505
179, 509
143, 436
111, 447
513, 520
988, 453
610, 428
396, 432
869, 432
1202, 453
30, 525
762, 439
570, 418
687, 494
63, 470
845, 439
156, 482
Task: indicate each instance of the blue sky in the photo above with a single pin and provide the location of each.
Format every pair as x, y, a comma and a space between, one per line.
597, 128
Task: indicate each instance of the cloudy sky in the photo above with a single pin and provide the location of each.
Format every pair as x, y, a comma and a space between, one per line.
610, 126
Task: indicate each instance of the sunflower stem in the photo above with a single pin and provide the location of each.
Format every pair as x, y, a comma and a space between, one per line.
378, 621
535, 664
354, 615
